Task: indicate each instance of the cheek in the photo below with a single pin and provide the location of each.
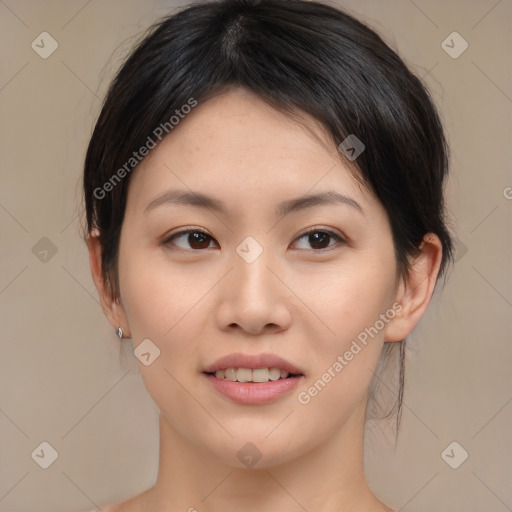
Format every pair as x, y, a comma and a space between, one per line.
349, 300
162, 306
353, 303
157, 298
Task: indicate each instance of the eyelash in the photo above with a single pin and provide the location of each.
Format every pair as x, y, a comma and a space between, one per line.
332, 234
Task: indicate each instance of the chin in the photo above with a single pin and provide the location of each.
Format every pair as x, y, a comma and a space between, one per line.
261, 449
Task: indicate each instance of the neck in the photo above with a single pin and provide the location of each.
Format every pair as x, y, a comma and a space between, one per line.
328, 478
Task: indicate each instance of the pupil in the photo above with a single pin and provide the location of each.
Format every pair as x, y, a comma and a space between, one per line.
320, 235
197, 239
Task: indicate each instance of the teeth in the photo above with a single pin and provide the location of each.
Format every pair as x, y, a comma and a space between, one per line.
248, 375
274, 374
260, 375
230, 374
243, 375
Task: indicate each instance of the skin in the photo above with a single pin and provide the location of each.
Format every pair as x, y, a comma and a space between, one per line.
200, 301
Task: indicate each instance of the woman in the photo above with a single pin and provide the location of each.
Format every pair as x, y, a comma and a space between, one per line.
265, 220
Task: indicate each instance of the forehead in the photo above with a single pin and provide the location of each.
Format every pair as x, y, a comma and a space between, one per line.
241, 148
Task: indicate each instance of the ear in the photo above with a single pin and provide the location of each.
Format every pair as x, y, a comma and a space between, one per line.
112, 307
415, 291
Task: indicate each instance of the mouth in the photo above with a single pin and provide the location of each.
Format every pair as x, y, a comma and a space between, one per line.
257, 375
253, 379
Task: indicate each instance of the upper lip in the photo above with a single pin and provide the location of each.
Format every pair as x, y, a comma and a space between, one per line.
253, 361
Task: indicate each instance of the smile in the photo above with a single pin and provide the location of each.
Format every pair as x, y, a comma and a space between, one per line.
251, 392
251, 378
249, 375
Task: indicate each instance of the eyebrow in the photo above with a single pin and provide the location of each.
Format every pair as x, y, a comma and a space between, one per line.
185, 198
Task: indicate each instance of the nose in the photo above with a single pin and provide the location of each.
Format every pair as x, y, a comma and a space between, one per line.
254, 298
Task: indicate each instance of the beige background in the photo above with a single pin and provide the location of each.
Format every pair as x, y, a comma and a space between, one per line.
62, 379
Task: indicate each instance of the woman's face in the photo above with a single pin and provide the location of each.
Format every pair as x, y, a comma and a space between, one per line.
250, 282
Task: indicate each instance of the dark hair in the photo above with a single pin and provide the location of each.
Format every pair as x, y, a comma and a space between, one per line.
301, 57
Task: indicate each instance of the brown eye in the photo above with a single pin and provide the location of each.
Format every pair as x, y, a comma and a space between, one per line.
319, 239
195, 239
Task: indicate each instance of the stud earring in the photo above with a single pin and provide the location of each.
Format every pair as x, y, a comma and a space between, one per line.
119, 332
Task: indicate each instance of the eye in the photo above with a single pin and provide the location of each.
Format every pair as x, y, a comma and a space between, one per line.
196, 238
200, 240
318, 238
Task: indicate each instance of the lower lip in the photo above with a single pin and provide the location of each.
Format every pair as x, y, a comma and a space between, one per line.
254, 392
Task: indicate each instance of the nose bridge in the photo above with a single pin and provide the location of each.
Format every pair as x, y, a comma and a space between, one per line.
252, 295
251, 273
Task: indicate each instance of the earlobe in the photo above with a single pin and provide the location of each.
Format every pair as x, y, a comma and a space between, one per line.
415, 290
111, 306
